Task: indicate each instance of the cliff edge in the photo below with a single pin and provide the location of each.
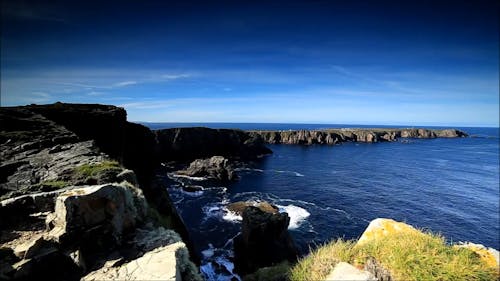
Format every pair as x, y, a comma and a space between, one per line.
71, 209
337, 136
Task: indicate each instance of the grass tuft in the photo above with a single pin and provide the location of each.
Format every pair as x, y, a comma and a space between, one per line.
89, 170
98, 173
53, 184
321, 261
277, 272
408, 256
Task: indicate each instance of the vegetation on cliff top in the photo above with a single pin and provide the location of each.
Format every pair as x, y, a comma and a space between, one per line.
97, 173
408, 256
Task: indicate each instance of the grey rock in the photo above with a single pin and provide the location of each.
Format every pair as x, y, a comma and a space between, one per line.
216, 167
116, 207
264, 240
334, 136
128, 176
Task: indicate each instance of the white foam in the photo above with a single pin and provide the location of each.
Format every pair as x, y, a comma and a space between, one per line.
193, 193
297, 174
297, 215
208, 253
231, 216
187, 177
211, 211
249, 169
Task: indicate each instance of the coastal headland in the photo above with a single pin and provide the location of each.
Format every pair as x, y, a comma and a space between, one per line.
79, 197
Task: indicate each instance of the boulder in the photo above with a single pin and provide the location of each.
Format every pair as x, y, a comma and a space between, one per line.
158, 264
344, 271
113, 208
381, 227
264, 240
239, 207
216, 167
165, 257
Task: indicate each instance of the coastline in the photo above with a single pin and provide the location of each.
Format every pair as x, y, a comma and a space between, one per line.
103, 134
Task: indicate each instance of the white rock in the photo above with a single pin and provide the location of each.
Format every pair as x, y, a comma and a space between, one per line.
344, 271
158, 264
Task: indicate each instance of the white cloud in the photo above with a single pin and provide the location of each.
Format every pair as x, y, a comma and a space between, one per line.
124, 83
94, 93
175, 76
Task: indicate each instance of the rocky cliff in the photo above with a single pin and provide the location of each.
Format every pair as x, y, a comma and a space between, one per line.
335, 136
69, 206
193, 143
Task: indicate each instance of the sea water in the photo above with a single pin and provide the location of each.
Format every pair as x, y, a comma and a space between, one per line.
449, 186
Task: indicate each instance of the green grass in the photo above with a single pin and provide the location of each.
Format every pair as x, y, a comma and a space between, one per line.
321, 261
408, 256
89, 170
53, 184
278, 272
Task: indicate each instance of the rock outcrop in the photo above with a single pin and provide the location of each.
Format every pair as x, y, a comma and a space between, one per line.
196, 143
239, 207
264, 240
336, 136
216, 167
67, 205
382, 228
113, 209
133, 145
344, 271
165, 258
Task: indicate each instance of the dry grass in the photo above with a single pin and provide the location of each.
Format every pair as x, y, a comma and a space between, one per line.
408, 256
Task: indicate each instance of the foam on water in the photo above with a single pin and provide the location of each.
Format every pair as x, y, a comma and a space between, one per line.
173, 176
297, 174
231, 217
208, 253
249, 169
297, 215
193, 193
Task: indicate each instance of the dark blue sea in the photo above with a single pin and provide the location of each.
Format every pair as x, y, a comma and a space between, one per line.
449, 186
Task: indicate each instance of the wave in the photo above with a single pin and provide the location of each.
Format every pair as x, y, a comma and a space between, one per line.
297, 215
208, 253
217, 262
231, 216
297, 174
249, 169
176, 176
193, 193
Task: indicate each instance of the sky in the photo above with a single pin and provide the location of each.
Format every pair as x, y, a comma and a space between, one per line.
331, 62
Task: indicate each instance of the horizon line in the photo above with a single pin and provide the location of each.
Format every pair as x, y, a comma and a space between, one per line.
314, 123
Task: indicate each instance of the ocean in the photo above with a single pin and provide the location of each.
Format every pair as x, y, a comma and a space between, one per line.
449, 186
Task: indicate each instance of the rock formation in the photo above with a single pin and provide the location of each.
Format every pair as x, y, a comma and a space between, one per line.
216, 167
68, 206
264, 240
239, 207
335, 136
196, 143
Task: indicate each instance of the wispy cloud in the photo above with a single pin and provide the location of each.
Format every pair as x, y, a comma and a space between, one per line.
124, 83
94, 93
37, 97
175, 76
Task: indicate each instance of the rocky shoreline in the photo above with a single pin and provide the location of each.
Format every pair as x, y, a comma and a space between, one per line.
337, 136
80, 200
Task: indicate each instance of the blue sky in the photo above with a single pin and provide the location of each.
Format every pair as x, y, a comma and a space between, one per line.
347, 62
